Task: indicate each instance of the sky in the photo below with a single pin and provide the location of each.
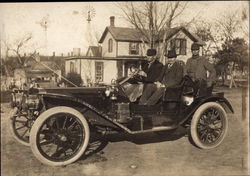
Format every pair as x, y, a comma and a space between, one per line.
68, 27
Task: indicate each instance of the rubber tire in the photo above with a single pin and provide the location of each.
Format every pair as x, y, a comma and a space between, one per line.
39, 122
193, 132
14, 111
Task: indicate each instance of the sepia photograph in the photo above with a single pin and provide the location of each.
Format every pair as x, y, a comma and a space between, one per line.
125, 88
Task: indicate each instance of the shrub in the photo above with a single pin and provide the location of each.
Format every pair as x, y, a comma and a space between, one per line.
74, 78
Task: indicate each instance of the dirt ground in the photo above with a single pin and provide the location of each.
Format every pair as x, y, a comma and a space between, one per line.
140, 155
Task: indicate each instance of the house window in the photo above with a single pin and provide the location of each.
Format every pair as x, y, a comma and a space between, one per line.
72, 67
99, 71
133, 48
180, 46
110, 46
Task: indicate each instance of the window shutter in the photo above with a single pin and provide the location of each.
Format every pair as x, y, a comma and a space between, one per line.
130, 47
137, 48
183, 46
110, 45
172, 44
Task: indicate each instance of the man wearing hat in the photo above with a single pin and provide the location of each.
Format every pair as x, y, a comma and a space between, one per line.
171, 76
152, 69
197, 67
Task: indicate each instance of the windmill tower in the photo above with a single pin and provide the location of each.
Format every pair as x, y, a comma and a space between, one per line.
90, 36
44, 23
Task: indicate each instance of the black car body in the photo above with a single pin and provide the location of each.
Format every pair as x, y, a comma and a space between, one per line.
59, 116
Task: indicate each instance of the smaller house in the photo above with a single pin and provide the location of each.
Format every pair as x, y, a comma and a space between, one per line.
45, 71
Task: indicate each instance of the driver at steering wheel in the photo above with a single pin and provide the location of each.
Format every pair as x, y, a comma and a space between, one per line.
151, 73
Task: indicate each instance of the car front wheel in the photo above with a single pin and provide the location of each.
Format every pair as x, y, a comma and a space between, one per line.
59, 136
209, 125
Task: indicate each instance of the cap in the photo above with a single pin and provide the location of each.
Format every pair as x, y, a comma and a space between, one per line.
195, 46
171, 54
151, 52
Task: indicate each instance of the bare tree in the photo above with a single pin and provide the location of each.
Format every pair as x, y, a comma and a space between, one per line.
17, 51
18, 47
228, 25
151, 18
207, 31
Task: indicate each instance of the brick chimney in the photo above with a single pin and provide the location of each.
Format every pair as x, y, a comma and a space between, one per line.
112, 21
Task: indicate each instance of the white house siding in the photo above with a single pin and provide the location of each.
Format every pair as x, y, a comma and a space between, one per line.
88, 69
123, 49
110, 71
67, 65
105, 52
78, 66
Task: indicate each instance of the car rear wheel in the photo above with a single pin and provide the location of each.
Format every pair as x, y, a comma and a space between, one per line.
59, 136
209, 125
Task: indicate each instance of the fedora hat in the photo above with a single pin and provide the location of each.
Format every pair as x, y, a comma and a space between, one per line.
151, 52
195, 46
171, 54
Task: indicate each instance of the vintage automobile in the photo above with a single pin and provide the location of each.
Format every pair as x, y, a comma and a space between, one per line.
57, 123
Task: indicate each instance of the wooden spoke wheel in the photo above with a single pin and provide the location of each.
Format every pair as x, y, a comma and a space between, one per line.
59, 136
209, 125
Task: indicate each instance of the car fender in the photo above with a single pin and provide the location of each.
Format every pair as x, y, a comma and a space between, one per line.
221, 100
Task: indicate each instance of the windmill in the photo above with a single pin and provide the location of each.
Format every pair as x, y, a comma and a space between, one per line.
44, 23
89, 14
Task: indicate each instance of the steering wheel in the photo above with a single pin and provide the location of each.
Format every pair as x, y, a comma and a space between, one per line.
134, 74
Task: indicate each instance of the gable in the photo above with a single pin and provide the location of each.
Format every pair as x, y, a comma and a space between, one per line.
181, 35
94, 51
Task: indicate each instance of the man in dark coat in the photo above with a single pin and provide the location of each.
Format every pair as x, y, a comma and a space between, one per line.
197, 68
153, 71
171, 76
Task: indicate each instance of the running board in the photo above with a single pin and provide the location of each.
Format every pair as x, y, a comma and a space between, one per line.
159, 128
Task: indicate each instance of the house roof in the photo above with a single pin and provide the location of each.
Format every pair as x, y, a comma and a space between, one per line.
131, 34
191, 35
122, 34
96, 50
40, 66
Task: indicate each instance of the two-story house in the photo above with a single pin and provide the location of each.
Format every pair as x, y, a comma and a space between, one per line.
121, 47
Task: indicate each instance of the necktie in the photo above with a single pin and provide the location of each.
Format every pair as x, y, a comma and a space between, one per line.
170, 65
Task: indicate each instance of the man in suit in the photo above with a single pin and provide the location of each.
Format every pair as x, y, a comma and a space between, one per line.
197, 68
172, 76
151, 72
